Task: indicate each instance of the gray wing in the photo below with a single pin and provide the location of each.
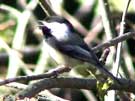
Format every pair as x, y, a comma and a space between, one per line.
75, 47
77, 52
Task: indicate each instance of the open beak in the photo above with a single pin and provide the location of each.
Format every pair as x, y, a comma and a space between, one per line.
43, 24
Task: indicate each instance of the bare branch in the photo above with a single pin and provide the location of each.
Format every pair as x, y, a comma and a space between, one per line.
74, 83
114, 41
52, 73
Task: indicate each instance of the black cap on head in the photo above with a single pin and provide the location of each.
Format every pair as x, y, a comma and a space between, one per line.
56, 19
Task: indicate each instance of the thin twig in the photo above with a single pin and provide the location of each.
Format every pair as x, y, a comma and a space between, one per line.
105, 14
114, 41
104, 55
122, 27
52, 73
46, 7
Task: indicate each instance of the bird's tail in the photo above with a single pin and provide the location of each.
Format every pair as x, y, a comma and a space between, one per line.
106, 72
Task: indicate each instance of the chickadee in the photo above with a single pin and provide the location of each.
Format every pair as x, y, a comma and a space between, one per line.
66, 47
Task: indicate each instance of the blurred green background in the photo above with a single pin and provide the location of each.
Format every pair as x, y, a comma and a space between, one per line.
22, 51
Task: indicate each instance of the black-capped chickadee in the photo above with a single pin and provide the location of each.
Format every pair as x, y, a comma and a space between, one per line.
66, 47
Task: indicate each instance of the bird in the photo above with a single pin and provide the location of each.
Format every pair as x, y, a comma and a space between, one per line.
66, 47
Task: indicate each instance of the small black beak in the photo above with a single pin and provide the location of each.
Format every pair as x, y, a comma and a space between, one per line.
44, 26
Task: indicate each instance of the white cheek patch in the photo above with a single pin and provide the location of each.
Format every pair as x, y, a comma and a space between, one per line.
60, 31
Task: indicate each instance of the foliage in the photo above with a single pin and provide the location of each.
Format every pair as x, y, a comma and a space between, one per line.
22, 51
